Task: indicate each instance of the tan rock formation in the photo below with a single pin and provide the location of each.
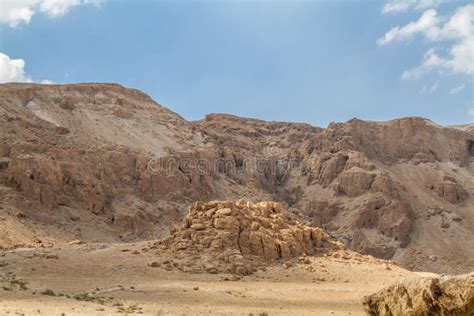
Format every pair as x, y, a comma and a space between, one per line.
451, 191
239, 236
355, 182
425, 296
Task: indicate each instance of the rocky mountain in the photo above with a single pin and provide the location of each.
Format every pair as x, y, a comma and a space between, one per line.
99, 162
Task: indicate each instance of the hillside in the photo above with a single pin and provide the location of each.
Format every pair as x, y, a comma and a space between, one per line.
102, 163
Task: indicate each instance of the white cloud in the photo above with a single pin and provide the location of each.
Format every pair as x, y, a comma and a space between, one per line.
13, 70
396, 6
15, 12
426, 22
457, 30
457, 89
56, 8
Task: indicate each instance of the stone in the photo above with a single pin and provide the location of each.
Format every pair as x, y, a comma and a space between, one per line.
424, 296
223, 212
76, 242
255, 226
287, 265
229, 223
182, 246
198, 226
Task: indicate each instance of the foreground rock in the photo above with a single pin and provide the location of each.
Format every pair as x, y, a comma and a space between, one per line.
426, 296
238, 237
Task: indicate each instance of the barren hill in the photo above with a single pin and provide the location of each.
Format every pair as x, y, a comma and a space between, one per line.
100, 162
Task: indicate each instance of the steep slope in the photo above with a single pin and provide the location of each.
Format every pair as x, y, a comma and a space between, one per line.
100, 162
75, 159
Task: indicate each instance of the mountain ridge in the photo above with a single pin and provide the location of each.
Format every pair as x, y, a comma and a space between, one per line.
76, 163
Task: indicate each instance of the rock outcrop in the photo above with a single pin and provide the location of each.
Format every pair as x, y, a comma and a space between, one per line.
450, 191
451, 295
240, 236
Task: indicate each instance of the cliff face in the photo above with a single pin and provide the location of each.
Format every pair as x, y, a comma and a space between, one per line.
100, 162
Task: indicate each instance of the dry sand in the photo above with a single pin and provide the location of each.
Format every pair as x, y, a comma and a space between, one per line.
104, 279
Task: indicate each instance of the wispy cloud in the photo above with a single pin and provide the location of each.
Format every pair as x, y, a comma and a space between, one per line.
457, 30
396, 6
16, 12
429, 89
430, 60
427, 21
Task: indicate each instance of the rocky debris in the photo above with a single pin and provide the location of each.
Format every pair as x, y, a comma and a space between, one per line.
450, 295
240, 236
434, 211
444, 216
433, 258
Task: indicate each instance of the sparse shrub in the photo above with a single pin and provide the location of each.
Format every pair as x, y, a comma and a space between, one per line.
48, 292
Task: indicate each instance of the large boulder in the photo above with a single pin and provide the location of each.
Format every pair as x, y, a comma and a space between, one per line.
425, 296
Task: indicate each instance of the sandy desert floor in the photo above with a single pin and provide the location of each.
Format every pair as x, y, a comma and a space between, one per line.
106, 279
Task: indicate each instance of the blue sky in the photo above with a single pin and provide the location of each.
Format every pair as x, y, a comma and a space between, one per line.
304, 61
